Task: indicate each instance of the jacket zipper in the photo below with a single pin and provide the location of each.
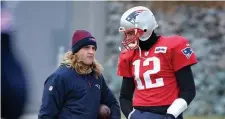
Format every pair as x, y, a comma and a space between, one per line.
89, 83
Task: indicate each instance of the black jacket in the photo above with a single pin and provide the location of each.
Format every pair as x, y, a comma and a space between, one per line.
69, 95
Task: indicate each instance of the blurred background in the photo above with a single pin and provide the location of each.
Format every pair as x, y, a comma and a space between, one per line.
41, 33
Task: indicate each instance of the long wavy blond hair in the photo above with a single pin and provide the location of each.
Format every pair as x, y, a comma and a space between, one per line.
72, 60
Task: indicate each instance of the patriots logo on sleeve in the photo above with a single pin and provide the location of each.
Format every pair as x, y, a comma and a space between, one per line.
187, 52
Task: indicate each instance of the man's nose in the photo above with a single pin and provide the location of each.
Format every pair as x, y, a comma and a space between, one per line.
91, 51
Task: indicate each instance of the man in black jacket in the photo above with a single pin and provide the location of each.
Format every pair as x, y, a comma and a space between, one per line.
77, 88
13, 79
156, 70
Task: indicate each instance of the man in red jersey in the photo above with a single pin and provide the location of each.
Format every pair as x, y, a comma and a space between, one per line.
157, 78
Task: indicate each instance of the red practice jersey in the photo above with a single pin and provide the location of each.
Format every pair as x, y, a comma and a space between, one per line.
154, 71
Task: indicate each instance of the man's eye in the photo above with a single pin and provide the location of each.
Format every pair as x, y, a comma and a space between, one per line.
86, 47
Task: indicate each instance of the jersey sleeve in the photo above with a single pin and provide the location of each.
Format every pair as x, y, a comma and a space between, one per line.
124, 65
182, 55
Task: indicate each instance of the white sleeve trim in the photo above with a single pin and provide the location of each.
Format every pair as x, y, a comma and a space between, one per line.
177, 107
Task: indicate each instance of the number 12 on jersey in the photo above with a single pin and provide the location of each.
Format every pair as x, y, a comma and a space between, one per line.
146, 75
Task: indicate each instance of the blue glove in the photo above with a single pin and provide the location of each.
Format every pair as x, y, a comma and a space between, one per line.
169, 116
